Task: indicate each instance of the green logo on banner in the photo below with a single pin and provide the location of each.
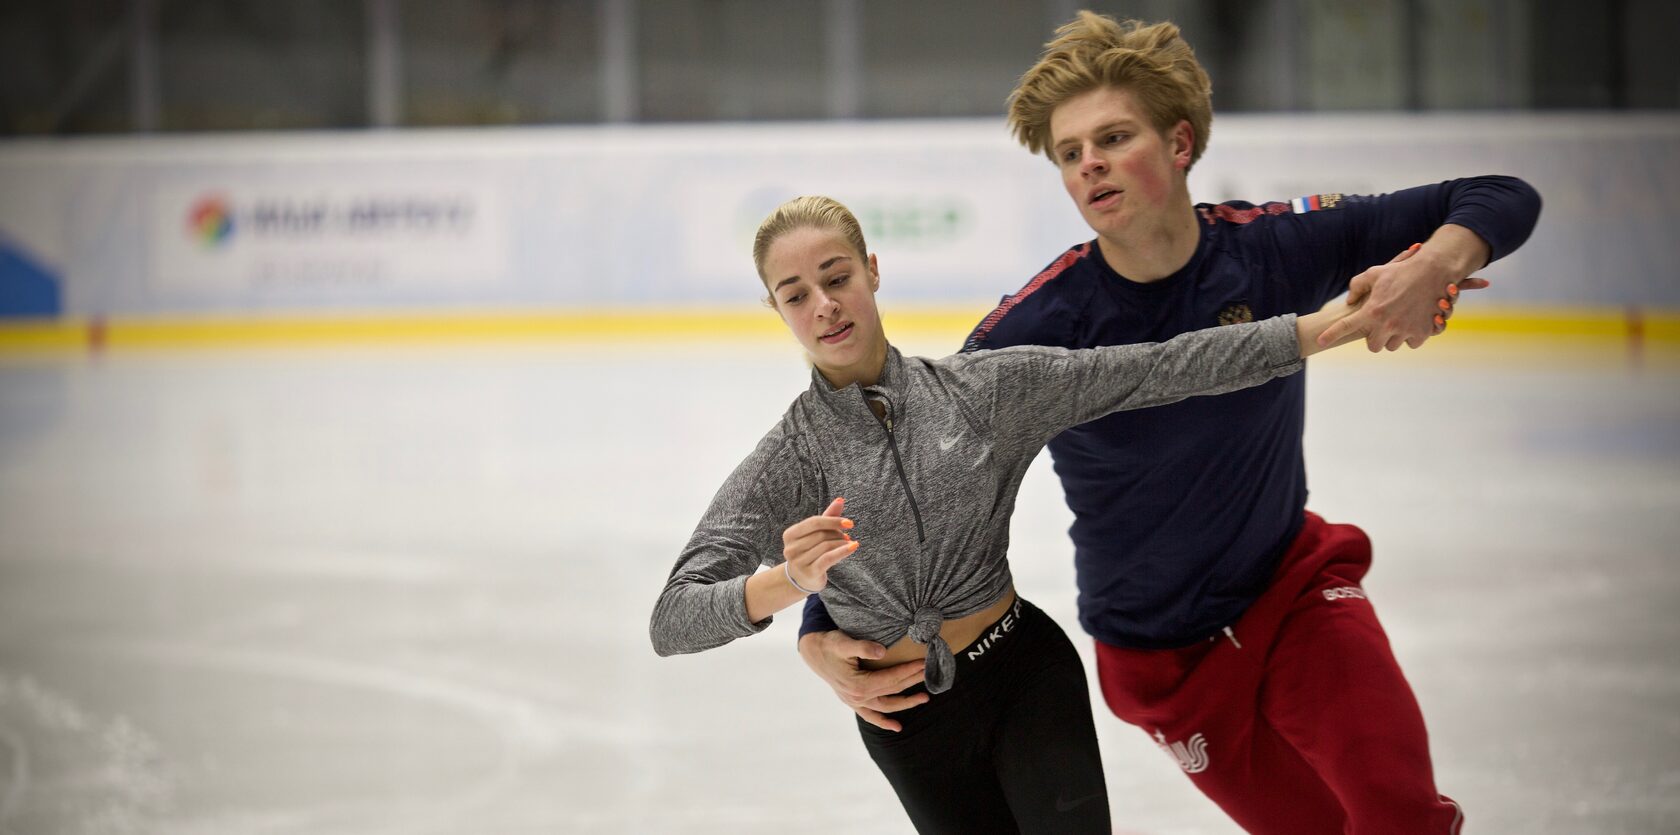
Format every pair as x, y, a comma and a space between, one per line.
896, 223
914, 222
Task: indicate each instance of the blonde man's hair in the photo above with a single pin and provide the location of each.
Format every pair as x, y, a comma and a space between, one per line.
1093, 51
811, 211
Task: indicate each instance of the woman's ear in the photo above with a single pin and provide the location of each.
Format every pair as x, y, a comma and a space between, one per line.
874, 273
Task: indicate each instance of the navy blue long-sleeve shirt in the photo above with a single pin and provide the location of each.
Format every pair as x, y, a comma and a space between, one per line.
1182, 512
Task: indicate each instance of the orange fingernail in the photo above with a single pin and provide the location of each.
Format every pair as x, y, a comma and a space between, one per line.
1442, 303
846, 523
1439, 320
852, 545
1414, 247
1452, 289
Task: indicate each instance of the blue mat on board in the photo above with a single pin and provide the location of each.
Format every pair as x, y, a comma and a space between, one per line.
27, 288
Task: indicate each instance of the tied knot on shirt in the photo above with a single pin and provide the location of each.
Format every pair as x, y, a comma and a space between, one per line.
941, 669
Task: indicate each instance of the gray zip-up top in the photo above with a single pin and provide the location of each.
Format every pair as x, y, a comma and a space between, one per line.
930, 486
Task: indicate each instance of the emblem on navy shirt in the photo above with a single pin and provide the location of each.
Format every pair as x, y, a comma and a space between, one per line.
1315, 202
1236, 314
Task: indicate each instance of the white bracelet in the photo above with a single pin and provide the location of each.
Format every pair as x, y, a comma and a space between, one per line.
795, 583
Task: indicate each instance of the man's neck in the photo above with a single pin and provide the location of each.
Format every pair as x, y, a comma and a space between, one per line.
1150, 252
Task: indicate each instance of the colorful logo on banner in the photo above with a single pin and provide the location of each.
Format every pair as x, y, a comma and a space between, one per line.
325, 234
210, 221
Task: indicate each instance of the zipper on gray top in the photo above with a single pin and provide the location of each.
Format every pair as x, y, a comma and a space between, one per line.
921, 535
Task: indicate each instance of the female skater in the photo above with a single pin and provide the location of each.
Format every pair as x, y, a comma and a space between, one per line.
921, 461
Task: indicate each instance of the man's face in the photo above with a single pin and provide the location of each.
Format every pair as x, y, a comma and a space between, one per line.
1121, 172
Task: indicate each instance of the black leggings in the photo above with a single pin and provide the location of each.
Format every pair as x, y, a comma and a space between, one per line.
1010, 748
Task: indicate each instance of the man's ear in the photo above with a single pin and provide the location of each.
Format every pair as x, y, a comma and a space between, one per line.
1183, 144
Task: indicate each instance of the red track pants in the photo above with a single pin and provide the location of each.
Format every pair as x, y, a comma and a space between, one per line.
1308, 726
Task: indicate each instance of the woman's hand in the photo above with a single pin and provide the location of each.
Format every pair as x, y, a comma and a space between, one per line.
810, 547
1399, 297
1335, 323
814, 544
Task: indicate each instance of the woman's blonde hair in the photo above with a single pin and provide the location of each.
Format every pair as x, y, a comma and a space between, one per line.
1093, 51
813, 211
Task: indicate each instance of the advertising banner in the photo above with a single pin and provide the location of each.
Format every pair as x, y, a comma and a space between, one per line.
662, 216
322, 230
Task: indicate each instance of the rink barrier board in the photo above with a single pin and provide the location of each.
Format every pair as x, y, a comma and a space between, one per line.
1637, 329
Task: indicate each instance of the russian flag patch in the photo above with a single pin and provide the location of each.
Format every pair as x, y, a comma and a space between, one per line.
1315, 202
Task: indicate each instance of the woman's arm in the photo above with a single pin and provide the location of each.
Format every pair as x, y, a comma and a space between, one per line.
704, 602
715, 592
1033, 393
1310, 327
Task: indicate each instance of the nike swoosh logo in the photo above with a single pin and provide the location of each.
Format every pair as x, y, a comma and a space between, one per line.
945, 444
1070, 805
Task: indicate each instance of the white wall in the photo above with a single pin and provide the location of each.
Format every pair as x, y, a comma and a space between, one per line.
663, 215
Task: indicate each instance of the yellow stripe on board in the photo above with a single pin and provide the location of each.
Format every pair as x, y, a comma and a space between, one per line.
228, 332
1550, 322
37, 336
1633, 329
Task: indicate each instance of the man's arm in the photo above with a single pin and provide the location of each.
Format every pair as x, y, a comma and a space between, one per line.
1486, 219
835, 657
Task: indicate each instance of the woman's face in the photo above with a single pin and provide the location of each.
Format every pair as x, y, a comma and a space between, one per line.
825, 292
